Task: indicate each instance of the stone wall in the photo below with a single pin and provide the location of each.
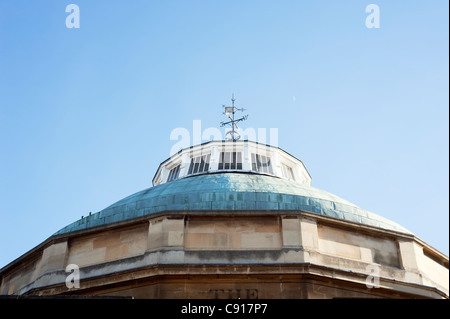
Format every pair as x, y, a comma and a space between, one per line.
359, 246
108, 246
236, 233
287, 256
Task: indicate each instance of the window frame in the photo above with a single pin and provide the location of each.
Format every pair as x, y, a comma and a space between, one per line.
261, 163
199, 164
174, 173
287, 172
230, 160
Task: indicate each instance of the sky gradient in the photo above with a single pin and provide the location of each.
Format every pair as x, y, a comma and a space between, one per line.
86, 114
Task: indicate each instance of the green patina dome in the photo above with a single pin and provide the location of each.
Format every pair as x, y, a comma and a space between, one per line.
231, 192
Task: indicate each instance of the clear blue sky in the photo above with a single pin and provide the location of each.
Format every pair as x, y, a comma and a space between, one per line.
86, 114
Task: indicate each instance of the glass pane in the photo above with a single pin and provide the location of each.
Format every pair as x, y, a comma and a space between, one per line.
202, 164
173, 174
221, 160
269, 165
239, 160
207, 157
259, 163
176, 172
191, 166
233, 162
196, 164
227, 160
288, 173
265, 164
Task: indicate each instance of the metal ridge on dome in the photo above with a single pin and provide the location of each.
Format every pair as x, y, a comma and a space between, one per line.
237, 191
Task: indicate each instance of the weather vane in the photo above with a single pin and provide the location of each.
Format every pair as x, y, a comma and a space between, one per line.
230, 111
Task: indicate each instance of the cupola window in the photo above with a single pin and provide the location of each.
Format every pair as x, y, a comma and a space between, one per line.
173, 174
261, 163
230, 160
199, 164
287, 172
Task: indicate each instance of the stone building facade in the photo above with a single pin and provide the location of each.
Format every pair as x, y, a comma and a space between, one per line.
232, 220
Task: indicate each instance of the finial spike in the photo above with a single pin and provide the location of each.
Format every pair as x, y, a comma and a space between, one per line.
229, 112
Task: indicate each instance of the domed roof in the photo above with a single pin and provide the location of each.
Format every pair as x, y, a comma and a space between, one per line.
231, 192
